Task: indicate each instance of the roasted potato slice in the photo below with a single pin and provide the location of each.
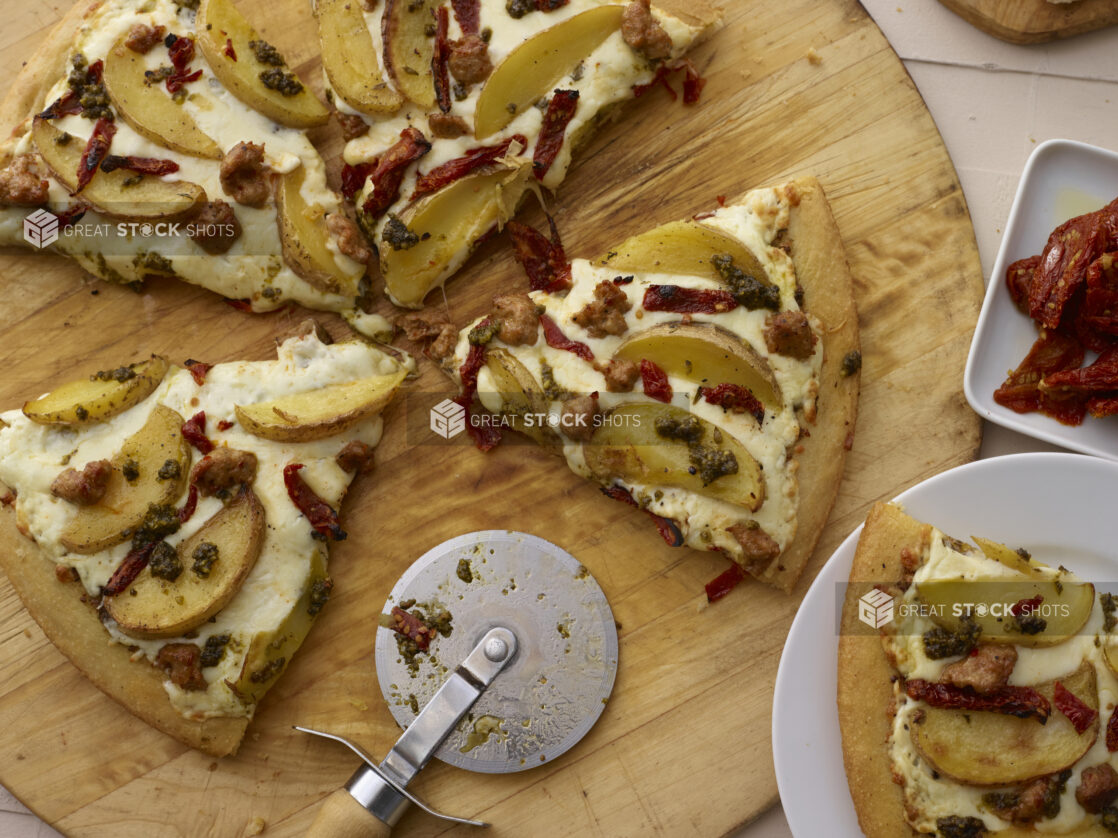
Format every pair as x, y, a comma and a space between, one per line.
148, 109
269, 652
706, 355
99, 397
153, 607
125, 503
532, 69
303, 237
683, 248
409, 47
983, 748
520, 394
350, 60
319, 413
1007, 556
287, 101
448, 223
149, 199
629, 446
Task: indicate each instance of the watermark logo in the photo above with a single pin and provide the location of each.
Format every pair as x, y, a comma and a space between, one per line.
875, 608
448, 419
40, 229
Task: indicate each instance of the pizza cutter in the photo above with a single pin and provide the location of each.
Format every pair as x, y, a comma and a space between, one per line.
517, 675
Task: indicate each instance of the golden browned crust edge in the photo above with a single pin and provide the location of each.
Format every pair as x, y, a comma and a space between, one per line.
74, 628
821, 268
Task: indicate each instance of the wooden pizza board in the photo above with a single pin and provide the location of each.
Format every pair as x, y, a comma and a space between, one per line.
683, 748
1035, 21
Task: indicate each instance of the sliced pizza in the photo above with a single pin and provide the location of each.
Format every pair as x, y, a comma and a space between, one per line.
164, 138
456, 110
985, 706
705, 371
183, 515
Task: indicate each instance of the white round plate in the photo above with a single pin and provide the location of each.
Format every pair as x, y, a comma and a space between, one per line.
1057, 506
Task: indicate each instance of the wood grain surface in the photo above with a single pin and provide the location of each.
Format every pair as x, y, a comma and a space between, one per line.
1035, 21
683, 748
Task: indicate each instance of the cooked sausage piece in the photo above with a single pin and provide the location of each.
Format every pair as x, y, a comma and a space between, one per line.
605, 314
578, 417
620, 375
85, 487
447, 127
789, 333
1027, 804
643, 32
356, 457
469, 60
349, 238
222, 469
352, 125
244, 175
216, 228
141, 37
519, 319
182, 663
759, 548
21, 185
431, 328
986, 668
1098, 787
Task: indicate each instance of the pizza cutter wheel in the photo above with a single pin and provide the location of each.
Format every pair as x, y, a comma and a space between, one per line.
520, 677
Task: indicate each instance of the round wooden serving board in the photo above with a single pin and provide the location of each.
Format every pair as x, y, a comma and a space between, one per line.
1035, 21
683, 748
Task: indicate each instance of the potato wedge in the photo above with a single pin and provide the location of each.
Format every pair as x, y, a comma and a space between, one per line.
684, 248
153, 607
628, 446
303, 237
219, 21
319, 413
409, 48
1007, 556
448, 223
350, 60
149, 199
520, 394
269, 652
983, 748
706, 355
99, 397
148, 109
532, 69
125, 504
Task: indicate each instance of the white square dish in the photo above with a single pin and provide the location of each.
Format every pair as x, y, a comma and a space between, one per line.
1062, 179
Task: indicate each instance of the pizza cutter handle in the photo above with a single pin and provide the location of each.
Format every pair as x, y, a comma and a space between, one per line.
341, 816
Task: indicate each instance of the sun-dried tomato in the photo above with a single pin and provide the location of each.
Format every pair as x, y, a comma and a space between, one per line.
390, 168
543, 260
693, 83
1024, 607
230, 53
1100, 306
655, 381
1079, 714
322, 517
1099, 377
194, 432
1023, 702
687, 300
69, 104
734, 398
72, 214
197, 370
129, 568
1100, 406
142, 165
1052, 352
186, 512
459, 167
412, 627
353, 177
440, 58
182, 53
1112, 732
560, 110
468, 15
1018, 279
667, 528
95, 151
557, 340
725, 582
485, 437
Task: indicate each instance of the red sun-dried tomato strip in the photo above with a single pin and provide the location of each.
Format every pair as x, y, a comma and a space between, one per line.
725, 582
735, 398
485, 437
665, 526
1098, 377
224, 425
412, 627
1024, 607
440, 58
1079, 714
1100, 306
72, 214
182, 53
1112, 731
128, 569
1052, 352
543, 260
1100, 406
655, 381
95, 151
661, 78
557, 340
560, 110
390, 168
693, 83
353, 177
687, 300
1023, 702
194, 432
1018, 279
468, 15
142, 165
459, 167
323, 518
229, 51
197, 370
69, 104
187, 510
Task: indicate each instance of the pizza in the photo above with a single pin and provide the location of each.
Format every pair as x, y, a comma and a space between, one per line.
169, 526
985, 705
455, 111
166, 138
705, 371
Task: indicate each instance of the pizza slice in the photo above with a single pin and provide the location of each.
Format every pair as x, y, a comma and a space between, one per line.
184, 515
161, 138
705, 371
456, 110
985, 705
